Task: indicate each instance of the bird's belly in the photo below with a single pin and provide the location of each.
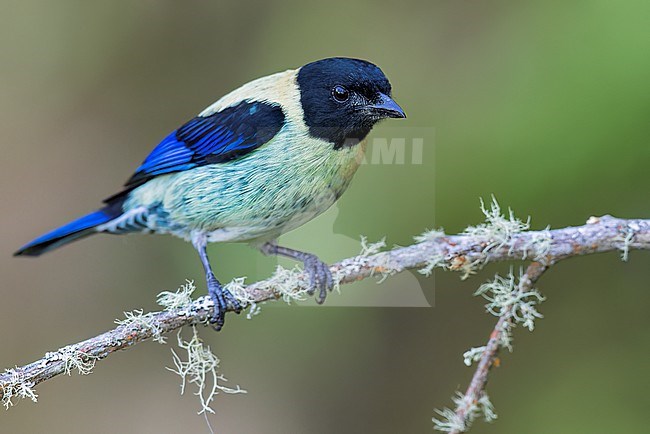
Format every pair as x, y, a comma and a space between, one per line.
230, 212
272, 220
247, 202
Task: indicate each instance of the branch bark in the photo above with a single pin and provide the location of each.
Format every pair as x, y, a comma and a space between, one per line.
457, 252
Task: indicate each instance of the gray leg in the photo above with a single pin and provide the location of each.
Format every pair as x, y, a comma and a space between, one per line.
219, 296
320, 276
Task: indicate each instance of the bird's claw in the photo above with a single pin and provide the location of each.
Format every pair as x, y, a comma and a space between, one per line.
222, 299
320, 277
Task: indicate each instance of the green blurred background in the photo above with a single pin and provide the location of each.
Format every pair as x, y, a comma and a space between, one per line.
544, 104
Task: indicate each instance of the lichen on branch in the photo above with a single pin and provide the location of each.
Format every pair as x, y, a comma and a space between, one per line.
512, 299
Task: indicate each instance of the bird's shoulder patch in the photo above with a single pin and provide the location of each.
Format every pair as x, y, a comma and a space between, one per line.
220, 137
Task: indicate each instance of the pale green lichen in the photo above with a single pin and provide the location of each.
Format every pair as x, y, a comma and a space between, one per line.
486, 408
181, 300
368, 249
429, 235
288, 283
473, 355
496, 232
451, 420
511, 299
238, 290
431, 263
201, 369
137, 319
337, 277
497, 228
505, 334
17, 387
540, 244
626, 240
467, 268
381, 260
514, 301
370, 256
435, 261
74, 359
506, 297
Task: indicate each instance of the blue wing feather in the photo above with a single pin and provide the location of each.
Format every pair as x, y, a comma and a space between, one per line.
223, 136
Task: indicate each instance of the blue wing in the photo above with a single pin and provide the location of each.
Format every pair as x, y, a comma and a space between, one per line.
223, 136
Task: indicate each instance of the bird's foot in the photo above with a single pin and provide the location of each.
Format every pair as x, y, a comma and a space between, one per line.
320, 276
222, 299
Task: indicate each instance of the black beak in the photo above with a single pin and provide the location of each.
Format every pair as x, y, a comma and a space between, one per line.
386, 107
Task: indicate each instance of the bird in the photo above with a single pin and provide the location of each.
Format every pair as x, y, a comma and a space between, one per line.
262, 160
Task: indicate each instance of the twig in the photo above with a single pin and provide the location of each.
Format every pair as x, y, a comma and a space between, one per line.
466, 253
476, 389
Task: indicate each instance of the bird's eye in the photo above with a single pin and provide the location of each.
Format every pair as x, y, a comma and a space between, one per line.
340, 93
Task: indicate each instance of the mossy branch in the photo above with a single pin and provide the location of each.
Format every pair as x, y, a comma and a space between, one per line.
499, 239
